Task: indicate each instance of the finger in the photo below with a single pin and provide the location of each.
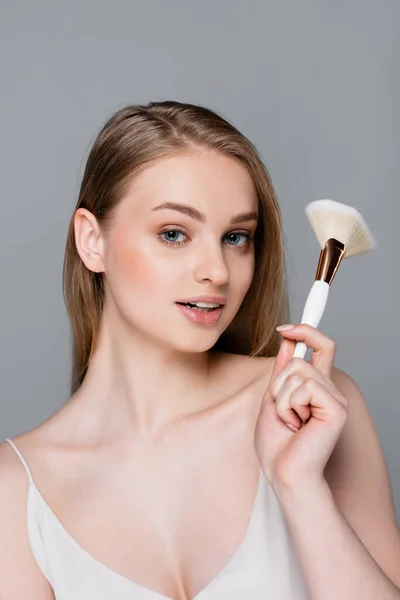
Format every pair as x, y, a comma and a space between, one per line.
324, 348
296, 416
284, 355
298, 366
322, 404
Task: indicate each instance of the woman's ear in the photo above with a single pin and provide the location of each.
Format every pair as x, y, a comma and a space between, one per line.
89, 240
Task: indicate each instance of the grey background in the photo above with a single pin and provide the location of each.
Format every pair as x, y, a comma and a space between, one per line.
314, 84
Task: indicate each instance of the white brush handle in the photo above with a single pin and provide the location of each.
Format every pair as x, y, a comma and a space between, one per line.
313, 311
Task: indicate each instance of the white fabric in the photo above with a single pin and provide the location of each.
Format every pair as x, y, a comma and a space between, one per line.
264, 567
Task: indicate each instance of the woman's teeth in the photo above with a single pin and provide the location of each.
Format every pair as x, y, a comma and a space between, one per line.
201, 308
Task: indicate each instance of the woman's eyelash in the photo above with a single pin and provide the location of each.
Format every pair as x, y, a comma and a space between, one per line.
247, 235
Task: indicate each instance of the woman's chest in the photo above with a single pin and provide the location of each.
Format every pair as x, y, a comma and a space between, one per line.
170, 530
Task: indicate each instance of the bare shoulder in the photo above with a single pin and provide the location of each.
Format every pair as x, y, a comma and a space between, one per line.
359, 479
16, 556
248, 369
245, 379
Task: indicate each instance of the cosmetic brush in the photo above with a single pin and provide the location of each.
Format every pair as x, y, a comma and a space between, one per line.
341, 232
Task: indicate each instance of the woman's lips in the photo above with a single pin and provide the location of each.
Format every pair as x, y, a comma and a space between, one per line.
199, 317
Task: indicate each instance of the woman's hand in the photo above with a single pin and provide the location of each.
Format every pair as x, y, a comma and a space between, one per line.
302, 394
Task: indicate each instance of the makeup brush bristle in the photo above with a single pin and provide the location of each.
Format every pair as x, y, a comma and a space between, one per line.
331, 219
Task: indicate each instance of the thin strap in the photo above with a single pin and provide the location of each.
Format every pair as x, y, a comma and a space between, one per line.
22, 459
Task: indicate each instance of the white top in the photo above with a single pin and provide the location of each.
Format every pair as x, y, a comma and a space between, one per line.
264, 567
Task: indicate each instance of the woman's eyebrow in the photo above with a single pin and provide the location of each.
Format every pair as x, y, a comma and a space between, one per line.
199, 216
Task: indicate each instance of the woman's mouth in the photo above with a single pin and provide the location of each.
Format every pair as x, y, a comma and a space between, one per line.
204, 315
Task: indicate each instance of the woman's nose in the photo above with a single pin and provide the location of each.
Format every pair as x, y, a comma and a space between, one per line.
211, 265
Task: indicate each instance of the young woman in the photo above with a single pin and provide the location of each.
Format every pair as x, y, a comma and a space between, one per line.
194, 459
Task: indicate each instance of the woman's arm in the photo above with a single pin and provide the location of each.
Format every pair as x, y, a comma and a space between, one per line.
20, 576
345, 530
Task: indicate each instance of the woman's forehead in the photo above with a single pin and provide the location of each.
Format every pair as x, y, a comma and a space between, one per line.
207, 181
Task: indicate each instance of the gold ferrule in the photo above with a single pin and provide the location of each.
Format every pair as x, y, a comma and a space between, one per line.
329, 260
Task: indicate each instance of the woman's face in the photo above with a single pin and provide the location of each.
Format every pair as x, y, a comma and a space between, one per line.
154, 257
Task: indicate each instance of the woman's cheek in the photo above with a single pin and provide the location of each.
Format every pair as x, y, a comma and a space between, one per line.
139, 268
245, 276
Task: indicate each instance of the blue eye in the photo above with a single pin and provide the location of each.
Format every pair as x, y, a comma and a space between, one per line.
172, 242
245, 235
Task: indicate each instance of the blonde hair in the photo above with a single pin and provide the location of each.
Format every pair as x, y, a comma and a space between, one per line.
128, 142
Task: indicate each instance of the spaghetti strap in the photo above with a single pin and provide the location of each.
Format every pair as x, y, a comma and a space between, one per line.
22, 459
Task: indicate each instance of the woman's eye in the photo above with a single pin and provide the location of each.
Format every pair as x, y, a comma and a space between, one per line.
247, 237
171, 240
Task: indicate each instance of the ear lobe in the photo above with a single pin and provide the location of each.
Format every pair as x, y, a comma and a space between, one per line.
88, 240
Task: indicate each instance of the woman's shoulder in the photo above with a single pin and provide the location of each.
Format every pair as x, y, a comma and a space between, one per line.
11, 468
14, 483
15, 551
244, 380
246, 369
22, 461
13, 473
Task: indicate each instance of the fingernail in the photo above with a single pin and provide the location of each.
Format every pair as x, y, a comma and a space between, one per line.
285, 327
292, 427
